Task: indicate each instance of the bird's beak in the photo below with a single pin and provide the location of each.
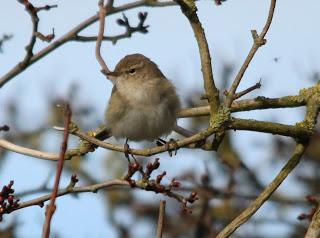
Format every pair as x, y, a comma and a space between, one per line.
112, 76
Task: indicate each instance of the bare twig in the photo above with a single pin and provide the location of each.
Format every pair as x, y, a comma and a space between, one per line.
81, 189
258, 41
46, 7
33, 12
127, 34
248, 90
26, 151
47, 38
50, 209
149, 151
147, 185
162, 210
102, 15
314, 228
69, 36
4, 38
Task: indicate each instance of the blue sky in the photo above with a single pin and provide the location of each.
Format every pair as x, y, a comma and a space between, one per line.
293, 38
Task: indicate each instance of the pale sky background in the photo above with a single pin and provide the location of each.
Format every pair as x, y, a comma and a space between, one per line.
294, 38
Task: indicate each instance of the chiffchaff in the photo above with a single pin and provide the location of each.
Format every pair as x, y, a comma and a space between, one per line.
144, 103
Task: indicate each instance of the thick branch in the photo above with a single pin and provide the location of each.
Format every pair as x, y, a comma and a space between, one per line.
235, 124
150, 151
270, 127
212, 94
248, 105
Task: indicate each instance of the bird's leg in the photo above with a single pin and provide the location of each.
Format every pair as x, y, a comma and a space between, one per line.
127, 151
167, 144
160, 142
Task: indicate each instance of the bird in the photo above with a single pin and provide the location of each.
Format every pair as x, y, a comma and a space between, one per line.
144, 104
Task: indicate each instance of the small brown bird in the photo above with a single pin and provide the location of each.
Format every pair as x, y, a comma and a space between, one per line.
144, 103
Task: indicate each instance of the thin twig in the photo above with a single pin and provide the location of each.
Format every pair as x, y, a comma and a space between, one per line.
5, 37
18, 68
127, 34
81, 189
314, 228
29, 152
258, 41
102, 15
33, 12
162, 210
248, 90
114, 183
35, 22
50, 209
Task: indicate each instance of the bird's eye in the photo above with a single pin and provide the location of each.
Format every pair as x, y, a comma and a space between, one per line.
132, 71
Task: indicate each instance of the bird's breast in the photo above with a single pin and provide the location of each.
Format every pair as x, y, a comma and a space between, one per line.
139, 94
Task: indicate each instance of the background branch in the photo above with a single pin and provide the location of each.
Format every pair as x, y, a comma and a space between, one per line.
162, 210
264, 196
50, 209
314, 228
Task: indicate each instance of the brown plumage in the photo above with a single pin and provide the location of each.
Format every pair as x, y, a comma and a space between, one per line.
144, 103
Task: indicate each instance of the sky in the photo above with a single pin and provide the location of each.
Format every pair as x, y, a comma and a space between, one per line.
293, 39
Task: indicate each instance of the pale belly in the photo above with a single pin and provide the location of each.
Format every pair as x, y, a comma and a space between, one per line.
145, 123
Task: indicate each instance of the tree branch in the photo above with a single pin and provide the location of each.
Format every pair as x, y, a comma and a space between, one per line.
102, 15
309, 122
264, 196
50, 209
28, 152
314, 228
257, 103
162, 210
17, 69
258, 41
189, 9
127, 34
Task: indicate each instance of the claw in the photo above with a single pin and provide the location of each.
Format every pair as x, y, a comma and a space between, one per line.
171, 142
127, 152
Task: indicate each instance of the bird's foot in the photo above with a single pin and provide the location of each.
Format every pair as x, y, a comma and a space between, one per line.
127, 152
171, 143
